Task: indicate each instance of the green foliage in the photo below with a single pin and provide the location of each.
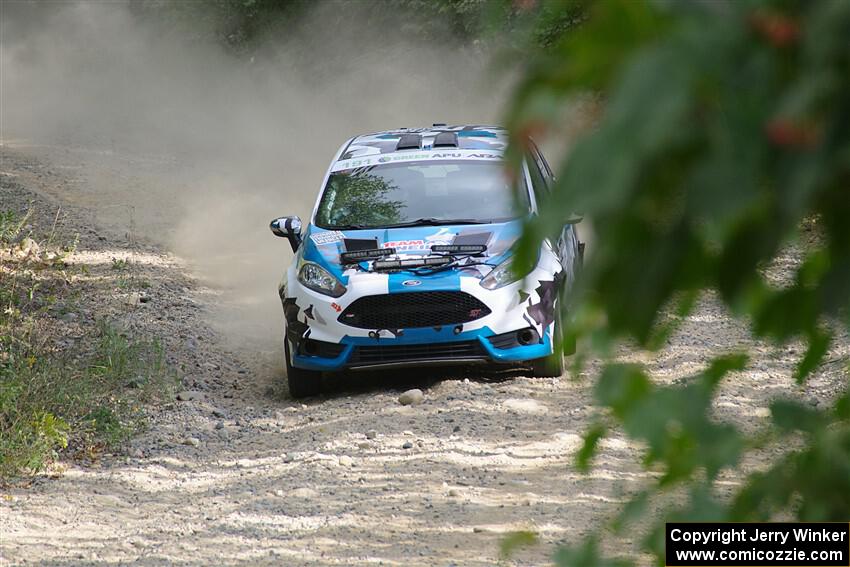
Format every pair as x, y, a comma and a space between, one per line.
585, 555
708, 176
11, 225
515, 541
814, 482
591, 441
80, 402
673, 421
49, 403
723, 128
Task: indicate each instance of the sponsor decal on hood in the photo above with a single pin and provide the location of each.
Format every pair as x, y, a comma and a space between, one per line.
325, 246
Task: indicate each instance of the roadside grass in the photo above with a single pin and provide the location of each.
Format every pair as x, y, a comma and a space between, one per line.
75, 400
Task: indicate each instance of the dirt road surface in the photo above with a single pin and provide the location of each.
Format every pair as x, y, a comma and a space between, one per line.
239, 474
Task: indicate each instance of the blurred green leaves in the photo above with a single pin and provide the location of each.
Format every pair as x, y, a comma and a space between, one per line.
711, 149
586, 555
673, 421
515, 541
813, 482
721, 139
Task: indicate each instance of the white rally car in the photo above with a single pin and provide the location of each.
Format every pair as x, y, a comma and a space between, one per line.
406, 260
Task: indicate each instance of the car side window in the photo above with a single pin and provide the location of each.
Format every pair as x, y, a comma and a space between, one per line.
542, 164
538, 182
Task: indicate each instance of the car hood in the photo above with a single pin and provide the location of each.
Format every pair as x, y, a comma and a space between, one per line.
325, 246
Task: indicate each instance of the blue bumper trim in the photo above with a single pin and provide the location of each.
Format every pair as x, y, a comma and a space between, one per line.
520, 353
427, 335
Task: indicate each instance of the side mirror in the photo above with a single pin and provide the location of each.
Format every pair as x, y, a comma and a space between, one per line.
288, 227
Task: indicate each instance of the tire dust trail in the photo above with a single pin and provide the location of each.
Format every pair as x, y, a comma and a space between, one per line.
241, 475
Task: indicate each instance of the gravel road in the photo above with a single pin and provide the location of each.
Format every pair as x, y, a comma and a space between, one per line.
234, 472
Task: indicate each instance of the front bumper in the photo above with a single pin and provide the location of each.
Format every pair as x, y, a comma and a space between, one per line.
319, 341
421, 347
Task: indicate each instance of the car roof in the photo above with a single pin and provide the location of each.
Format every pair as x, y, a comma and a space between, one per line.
438, 137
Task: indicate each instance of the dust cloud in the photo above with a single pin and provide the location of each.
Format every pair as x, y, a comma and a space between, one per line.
197, 149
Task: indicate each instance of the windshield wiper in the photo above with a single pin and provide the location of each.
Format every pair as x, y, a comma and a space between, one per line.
348, 227
430, 221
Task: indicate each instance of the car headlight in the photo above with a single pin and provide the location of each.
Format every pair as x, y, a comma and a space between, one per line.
317, 278
501, 276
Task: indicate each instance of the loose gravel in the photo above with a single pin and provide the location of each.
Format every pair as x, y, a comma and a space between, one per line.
233, 472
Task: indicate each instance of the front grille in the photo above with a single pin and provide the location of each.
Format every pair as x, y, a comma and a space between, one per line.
413, 309
430, 351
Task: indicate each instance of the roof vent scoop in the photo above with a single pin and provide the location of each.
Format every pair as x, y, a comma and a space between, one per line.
409, 142
445, 140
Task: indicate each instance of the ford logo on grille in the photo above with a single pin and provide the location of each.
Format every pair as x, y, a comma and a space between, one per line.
410, 283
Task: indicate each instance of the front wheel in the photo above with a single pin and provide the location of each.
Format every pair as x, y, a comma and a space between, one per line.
302, 383
552, 366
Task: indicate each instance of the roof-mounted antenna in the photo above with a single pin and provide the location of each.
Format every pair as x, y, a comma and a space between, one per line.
409, 142
445, 140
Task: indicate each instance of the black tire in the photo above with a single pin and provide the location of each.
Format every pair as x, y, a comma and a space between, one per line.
569, 346
552, 366
302, 383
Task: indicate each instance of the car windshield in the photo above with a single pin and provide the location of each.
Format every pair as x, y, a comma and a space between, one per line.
420, 193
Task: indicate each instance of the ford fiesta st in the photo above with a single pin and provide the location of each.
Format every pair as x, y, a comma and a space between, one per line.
406, 260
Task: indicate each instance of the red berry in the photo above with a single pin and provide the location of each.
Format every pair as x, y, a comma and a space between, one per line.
779, 29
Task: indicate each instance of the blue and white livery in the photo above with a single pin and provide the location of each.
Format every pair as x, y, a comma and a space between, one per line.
406, 259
